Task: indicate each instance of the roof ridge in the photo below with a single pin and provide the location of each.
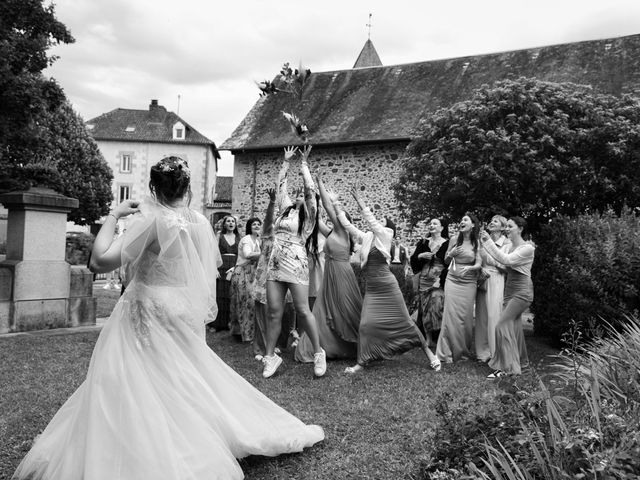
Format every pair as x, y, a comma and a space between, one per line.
484, 54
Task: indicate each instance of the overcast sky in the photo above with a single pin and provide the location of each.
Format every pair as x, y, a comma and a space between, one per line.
128, 52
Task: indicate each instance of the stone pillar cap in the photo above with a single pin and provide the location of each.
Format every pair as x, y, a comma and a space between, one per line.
38, 198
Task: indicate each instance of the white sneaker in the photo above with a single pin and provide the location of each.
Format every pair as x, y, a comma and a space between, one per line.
271, 364
320, 363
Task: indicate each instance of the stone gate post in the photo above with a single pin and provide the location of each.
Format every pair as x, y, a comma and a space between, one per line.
35, 279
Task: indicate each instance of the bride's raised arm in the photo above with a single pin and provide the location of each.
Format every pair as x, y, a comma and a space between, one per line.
106, 254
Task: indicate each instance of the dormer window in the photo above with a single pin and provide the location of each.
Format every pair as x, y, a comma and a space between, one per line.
130, 129
90, 126
178, 131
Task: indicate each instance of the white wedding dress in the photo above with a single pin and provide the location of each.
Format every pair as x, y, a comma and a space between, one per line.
157, 403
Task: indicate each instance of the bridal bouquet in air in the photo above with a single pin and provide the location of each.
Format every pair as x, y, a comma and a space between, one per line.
290, 81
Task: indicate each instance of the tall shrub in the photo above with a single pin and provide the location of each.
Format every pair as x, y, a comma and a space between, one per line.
587, 268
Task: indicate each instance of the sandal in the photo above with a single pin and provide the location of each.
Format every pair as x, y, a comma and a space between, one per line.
356, 368
436, 365
496, 374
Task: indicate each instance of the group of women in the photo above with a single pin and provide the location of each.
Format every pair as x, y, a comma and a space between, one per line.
472, 287
152, 366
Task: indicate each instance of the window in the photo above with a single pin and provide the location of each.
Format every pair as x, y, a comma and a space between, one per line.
179, 131
124, 193
125, 163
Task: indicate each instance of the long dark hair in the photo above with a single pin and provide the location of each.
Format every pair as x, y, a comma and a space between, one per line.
351, 244
302, 216
390, 224
312, 242
475, 232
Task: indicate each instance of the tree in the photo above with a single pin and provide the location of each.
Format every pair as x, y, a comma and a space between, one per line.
42, 140
525, 147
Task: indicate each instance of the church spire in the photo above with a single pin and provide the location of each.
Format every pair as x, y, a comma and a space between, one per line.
368, 56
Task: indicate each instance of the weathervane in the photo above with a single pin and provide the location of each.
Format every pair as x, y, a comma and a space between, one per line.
369, 25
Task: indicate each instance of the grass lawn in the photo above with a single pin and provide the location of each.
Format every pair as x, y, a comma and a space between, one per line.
105, 300
379, 424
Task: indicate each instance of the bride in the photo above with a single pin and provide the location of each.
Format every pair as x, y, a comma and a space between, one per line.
157, 403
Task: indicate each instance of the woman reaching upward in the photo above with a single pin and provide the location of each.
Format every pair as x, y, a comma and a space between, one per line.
339, 302
386, 329
295, 234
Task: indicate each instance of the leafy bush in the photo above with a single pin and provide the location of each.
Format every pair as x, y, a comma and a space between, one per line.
586, 269
465, 426
79, 247
593, 435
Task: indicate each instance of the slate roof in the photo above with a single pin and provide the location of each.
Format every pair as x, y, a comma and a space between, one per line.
386, 103
153, 125
224, 187
368, 56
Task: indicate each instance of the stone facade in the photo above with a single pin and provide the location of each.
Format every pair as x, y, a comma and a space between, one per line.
374, 168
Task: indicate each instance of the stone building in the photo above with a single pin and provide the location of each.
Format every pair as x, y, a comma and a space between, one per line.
362, 119
221, 205
131, 141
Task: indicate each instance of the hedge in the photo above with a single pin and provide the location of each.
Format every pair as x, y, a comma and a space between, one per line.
586, 269
78, 248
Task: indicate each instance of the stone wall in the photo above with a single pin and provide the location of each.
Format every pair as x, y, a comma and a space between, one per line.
374, 168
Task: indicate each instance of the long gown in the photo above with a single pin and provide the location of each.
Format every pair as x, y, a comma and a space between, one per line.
229, 254
337, 307
157, 402
456, 333
489, 304
511, 350
242, 318
386, 329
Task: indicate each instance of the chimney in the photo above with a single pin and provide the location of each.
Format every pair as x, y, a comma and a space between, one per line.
153, 106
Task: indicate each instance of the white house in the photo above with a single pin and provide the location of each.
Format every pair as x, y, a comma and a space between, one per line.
132, 141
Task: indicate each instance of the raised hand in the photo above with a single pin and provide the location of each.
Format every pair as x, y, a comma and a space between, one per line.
290, 152
355, 192
306, 150
271, 192
333, 196
126, 208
